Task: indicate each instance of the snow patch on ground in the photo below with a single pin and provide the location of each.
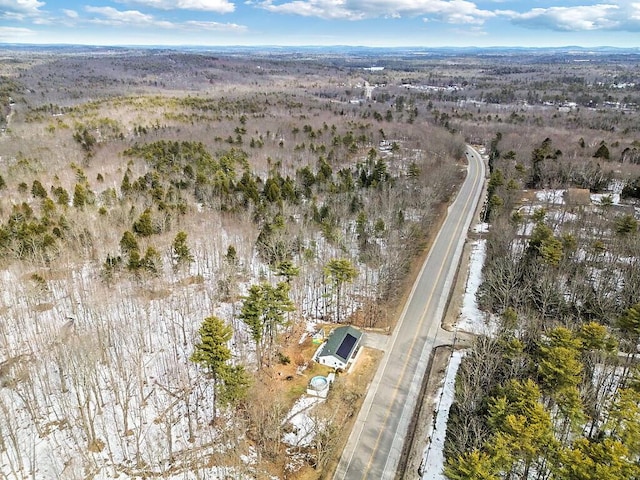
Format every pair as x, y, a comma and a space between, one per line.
480, 228
472, 319
303, 425
563, 217
605, 198
210, 473
528, 209
554, 197
526, 229
433, 458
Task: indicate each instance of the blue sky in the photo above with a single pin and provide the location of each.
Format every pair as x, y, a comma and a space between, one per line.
428, 23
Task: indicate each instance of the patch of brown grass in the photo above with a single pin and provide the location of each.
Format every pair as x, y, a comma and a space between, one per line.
293, 377
43, 307
345, 396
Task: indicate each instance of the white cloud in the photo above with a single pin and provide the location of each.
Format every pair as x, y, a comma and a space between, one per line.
13, 34
451, 11
219, 6
215, 26
455, 11
604, 16
327, 9
620, 15
113, 17
20, 9
21, 6
117, 18
70, 13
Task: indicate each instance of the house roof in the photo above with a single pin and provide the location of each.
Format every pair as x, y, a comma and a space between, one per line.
342, 342
577, 196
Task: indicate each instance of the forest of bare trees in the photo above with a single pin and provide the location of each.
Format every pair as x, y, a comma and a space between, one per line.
164, 243
171, 224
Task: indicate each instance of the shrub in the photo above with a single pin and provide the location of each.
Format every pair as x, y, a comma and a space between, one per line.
283, 359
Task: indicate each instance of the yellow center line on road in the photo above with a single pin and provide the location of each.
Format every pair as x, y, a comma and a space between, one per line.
415, 339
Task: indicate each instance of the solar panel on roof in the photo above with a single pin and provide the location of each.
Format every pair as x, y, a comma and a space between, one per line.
345, 347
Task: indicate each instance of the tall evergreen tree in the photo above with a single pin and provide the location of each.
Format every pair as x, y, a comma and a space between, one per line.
264, 311
180, 252
37, 190
144, 225
288, 270
601, 460
522, 428
230, 382
79, 196
473, 465
340, 271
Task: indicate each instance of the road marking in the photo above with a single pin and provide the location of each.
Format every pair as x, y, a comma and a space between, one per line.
394, 336
415, 339
430, 343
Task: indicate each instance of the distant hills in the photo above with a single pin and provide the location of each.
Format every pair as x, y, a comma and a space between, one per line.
354, 56
331, 49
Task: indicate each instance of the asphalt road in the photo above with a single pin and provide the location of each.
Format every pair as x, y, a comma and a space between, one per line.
375, 445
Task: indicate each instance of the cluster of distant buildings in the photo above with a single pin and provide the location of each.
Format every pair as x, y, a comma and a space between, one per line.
618, 85
566, 107
433, 88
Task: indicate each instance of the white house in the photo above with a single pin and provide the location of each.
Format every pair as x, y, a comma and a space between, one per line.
340, 347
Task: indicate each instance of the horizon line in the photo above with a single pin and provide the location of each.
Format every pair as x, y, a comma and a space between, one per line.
337, 45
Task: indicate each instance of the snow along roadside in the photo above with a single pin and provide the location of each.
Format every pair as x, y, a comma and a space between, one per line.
432, 464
